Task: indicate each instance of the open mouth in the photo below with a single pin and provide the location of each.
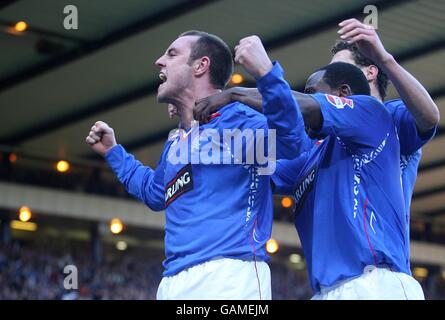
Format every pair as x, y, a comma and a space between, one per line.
163, 77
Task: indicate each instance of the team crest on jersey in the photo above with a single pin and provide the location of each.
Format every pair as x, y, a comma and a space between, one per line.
304, 187
180, 184
339, 102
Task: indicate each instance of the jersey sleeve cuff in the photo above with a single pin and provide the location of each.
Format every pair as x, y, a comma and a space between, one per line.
275, 75
115, 156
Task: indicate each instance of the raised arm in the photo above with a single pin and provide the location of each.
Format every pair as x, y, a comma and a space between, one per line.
279, 105
141, 181
414, 95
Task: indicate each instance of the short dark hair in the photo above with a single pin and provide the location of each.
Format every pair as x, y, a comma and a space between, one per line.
340, 73
221, 59
360, 60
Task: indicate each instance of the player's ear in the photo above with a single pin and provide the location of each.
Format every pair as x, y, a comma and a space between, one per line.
201, 66
371, 72
344, 90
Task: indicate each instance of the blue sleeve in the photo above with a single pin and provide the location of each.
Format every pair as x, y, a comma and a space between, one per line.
410, 138
140, 181
361, 122
287, 173
283, 114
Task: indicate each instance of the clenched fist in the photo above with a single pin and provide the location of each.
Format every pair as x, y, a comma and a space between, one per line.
250, 53
101, 138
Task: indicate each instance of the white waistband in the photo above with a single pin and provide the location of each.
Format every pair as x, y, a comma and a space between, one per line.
366, 269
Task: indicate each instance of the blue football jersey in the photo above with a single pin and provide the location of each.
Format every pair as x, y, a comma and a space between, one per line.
217, 204
349, 203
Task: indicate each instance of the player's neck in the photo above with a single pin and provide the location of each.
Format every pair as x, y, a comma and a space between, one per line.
375, 93
186, 116
187, 102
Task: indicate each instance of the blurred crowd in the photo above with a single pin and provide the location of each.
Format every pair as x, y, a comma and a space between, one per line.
38, 273
27, 273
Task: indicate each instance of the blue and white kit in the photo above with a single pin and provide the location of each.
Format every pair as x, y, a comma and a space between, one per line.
215, 210
350, 209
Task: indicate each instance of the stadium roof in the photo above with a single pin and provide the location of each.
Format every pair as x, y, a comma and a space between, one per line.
55, 83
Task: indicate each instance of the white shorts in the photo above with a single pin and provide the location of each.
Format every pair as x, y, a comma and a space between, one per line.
218, 279
374, 284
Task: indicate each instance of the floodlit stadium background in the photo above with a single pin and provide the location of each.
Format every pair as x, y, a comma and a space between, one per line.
55, 83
